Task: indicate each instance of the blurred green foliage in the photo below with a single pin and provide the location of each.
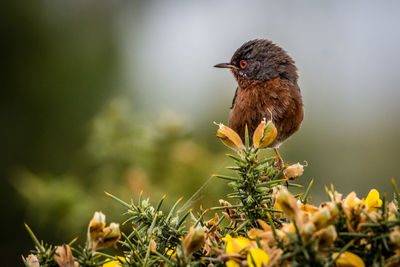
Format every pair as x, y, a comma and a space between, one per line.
126, 155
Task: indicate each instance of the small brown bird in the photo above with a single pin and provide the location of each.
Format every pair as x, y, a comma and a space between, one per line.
267, 88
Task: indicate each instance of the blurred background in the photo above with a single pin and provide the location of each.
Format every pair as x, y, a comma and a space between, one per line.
121, 95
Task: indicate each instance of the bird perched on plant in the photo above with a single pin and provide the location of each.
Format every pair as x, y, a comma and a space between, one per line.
267, 88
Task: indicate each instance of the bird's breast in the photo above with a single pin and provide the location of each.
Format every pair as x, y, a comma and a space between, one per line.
257, 100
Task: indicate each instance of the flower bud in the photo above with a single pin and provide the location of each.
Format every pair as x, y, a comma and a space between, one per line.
293, 171
194, 240
264, 134
229, 137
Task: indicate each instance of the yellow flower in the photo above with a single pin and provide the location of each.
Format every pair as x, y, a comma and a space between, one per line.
96, 225
171, 252
102, 237
229, 137
372, 202
111, 236
235, 245
257, 257
114, 263
232, 263
264, 134
348, 259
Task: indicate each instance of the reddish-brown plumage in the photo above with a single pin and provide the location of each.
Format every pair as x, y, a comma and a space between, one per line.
276, 97
267, 87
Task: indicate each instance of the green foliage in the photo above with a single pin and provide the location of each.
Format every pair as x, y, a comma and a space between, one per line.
122, 154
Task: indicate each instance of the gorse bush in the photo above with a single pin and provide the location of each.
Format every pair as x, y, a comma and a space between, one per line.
260, 223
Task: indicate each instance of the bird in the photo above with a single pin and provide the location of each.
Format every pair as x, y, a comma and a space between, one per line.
267, 89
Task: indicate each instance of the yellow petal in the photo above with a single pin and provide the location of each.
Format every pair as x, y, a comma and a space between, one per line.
270, 133
229, 137
348, 259
227, 238
258, 257
232, 263
171, 252
112, 264
264, 134
258, 133
234, 245
372, 202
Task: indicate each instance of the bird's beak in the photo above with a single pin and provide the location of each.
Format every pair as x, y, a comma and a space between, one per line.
226, 65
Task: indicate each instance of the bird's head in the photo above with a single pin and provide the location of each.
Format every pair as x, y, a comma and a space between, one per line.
261, 60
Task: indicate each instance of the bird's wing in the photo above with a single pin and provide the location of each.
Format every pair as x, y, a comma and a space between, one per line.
234, 98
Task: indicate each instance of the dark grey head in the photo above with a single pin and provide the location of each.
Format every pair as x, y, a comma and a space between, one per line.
261, 60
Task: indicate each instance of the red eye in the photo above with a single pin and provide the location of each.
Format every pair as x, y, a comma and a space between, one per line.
243, 63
